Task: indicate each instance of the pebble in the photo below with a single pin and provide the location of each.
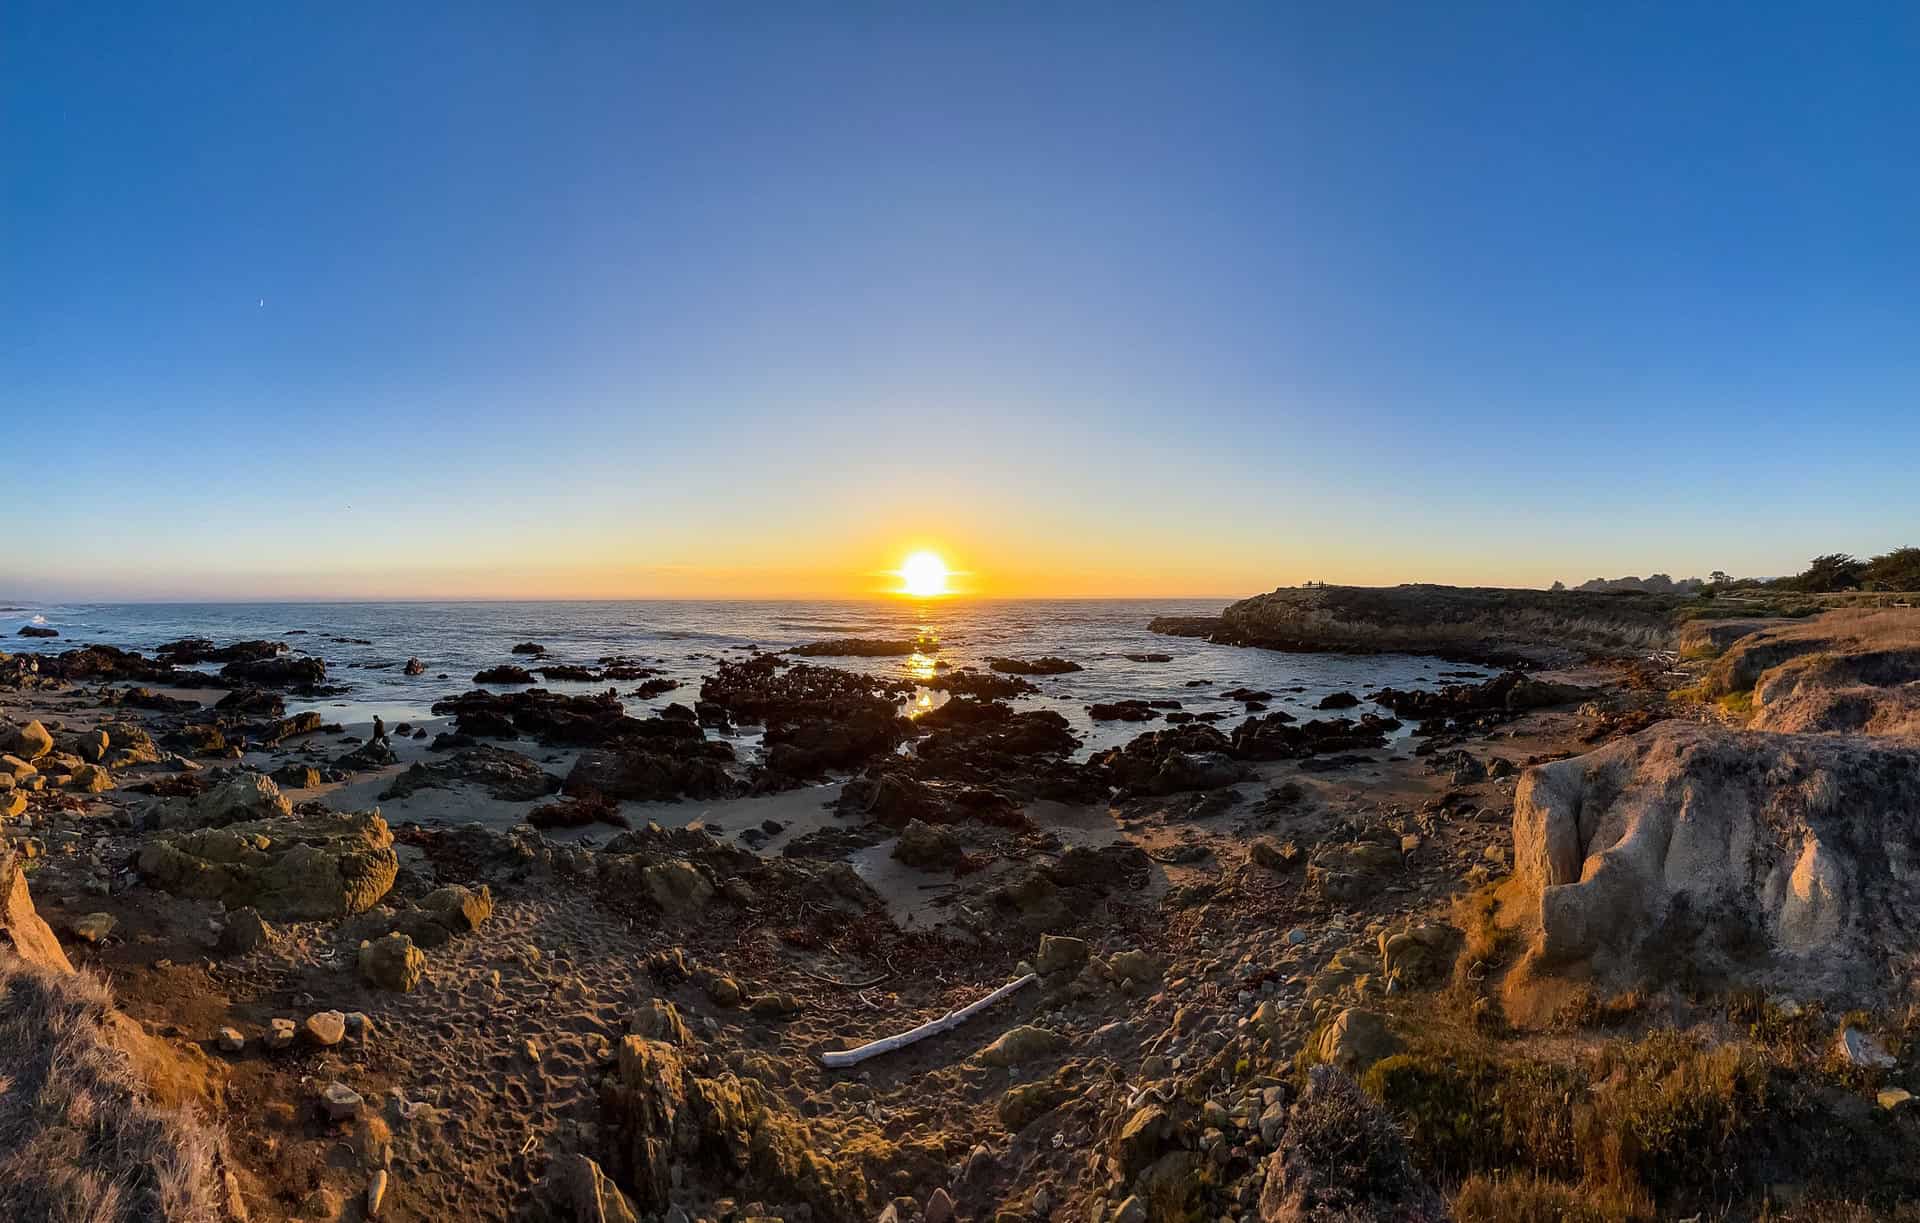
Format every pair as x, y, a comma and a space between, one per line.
939, 1207
376, 1192
324, 1029
342, 1103
280, 1034
231, 1041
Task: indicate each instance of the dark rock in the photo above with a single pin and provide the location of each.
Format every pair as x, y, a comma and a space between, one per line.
1035, 666
199, 649
925, 847
252, 702
861, 647
541, 715
295, 672
504, 774
505, 673
1122, 711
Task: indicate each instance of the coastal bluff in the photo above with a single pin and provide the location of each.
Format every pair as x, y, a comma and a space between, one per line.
1467, 622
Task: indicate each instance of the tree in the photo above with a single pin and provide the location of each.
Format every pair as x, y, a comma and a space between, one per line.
1831, 572
1897, 570
1720, 577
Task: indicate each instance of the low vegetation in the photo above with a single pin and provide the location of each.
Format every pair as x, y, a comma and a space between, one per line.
79, 1139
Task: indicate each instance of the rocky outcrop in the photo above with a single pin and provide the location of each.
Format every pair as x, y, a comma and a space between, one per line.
1048, 665
817, 718
22, 930
506, 775
234, 796
862, 647
659, 1110
658, 758
305, 867
105, 662
1511, 693
1451, 621
547, 717
189, 650
505, 673
299, 673
1718, 855
1847, 672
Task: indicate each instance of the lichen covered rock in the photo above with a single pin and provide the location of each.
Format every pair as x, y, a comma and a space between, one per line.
308, 867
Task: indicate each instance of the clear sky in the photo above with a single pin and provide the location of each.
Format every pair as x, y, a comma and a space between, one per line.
700, 299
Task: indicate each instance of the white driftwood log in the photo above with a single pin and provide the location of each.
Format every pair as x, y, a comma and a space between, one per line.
952, 1019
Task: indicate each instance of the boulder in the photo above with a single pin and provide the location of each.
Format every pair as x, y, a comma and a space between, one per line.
576, 1190
392, 963
30, 742
90, 779
93, 927
236, 795
324, 1029
1788, 861
929, 848
318, 866
1025, 1043
297, 776
1060, 953
677, 886
505, 673
458, 908
1355, 1040
245, 931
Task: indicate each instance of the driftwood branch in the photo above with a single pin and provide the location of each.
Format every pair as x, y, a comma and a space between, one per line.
952, 1019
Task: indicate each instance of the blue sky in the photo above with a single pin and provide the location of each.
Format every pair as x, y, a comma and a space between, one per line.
708, 299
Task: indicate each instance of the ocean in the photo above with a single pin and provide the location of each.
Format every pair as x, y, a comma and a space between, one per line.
365, 646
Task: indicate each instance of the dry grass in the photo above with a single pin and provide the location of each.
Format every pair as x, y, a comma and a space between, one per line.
1523, 1197
80, 1142
1660, 1119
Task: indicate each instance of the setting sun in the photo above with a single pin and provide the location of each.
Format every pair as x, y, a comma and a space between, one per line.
924, 574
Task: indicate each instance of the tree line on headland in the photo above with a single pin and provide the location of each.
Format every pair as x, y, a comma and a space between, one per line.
1832, 573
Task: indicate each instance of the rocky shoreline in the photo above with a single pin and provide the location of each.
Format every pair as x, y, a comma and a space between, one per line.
538, 957
1467, 624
